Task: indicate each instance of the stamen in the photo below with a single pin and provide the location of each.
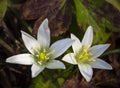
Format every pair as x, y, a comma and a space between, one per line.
50, 53
44, 50
39, 63
36, 49
43, 56
91, 60
86, 48
84, 55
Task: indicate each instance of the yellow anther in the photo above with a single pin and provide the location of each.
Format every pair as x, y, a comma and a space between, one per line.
44, 50
91, 60
84, 55
86, 48
39, 63
50, 53
43, 56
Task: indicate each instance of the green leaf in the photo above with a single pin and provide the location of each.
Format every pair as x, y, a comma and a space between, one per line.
85, 19
3, 8
39, 82
60, 80
115, 3
51, 79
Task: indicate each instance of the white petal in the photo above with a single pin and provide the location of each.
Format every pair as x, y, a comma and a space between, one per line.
100, 64
70, 58
36, 69
55, 64
88, 37
31, 43
77, 44
43, 35
86, 71
25, 59
97, 50
61, 46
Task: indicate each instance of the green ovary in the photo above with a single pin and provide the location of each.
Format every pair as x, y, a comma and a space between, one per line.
84, 56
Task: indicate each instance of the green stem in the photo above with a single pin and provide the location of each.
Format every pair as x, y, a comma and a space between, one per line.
111, 52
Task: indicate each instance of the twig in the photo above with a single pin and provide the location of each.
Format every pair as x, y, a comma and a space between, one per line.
7, 30
4, 79
5, 45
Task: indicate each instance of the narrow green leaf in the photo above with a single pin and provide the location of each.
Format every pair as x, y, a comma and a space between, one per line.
115, 3
62, 3
3, 8
85, 19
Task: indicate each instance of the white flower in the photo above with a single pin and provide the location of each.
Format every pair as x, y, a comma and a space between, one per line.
85, 56
42, 54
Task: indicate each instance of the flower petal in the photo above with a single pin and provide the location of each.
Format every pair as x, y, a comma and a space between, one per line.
31, 43
25, 59
100, 64
88, 37
36, 69
61, 46
97, 50
77, 44
86, 71
56, 64
43, 35
69, 58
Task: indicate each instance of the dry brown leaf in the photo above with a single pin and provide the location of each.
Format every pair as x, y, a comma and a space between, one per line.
59, 14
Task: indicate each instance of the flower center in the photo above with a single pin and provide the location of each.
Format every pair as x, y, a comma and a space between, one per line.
43, 57
84, 56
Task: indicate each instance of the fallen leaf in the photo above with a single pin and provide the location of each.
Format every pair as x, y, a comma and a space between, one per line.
57, 11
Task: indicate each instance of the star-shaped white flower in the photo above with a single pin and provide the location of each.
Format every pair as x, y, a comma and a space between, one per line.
85, 56
42, 54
